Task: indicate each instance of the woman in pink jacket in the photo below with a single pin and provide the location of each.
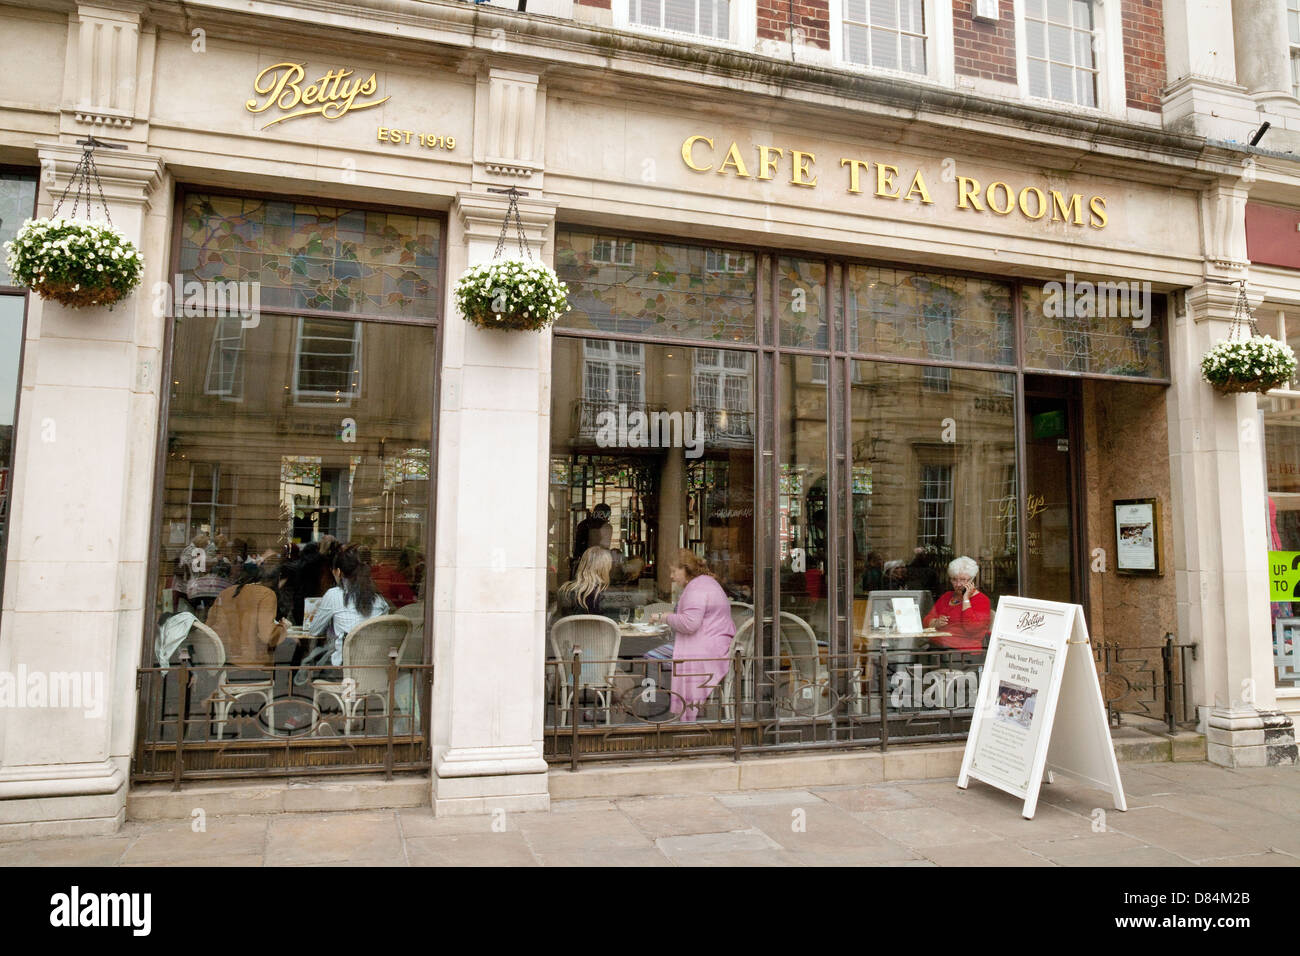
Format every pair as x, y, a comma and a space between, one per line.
703, 629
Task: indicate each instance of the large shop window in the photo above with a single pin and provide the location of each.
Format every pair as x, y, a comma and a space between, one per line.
839, 443
934, 479
17, 204
298, 441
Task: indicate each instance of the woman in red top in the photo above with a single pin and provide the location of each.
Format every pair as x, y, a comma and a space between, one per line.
964, 613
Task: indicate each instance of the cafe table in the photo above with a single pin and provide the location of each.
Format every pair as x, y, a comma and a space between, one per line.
636, 639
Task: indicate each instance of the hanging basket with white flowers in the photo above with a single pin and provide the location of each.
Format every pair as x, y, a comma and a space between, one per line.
516, 292
74, 262
71, 260
1247, 361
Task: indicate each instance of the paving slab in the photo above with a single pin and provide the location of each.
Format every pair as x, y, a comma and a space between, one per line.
177, 843
871, 799
74, 851
370, 836
470, 849
678, 816
1182, 835
927, 826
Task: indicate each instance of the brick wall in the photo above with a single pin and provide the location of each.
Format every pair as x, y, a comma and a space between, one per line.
1144, 53
810, 16
984, 49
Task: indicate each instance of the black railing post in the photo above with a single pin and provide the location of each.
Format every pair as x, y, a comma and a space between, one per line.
1167, 659
737, 680
182, 711
884, 697
392, 693
573, 710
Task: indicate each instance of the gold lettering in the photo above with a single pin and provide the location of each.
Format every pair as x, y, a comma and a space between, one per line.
968, 189
885, 181
766, 162
800, 168
689, 145
1097, 206
383, 133
272, 84
1061, 210
855, 167
329, 97
918, 186
733, 160
1011, 198
1042, 202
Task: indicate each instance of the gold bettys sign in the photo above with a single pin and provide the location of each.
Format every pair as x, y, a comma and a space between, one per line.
334, 95
885, 181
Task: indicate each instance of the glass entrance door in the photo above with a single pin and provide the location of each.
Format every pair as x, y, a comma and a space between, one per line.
1052, 488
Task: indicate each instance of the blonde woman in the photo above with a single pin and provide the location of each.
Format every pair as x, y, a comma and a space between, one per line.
583, 594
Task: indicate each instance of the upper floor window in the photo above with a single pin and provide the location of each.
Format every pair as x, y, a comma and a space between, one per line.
1060, 61
888, 34
1293, 36
709, 18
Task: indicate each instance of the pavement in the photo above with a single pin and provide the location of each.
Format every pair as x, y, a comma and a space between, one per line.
1180, 814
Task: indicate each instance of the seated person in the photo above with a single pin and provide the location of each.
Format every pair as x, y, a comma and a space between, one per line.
585, 593
352, 600
963, 612
244, 617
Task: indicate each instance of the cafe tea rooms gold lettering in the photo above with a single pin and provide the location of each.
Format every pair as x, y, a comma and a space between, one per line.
335, 94
885, 181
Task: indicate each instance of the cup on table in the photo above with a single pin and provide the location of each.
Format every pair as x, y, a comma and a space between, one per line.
640, 614
624, 615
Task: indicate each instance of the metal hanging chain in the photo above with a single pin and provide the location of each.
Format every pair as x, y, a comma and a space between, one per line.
85, 173
512, 212
1242, 319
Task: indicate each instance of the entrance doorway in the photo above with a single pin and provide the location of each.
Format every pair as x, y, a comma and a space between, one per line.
1054, 487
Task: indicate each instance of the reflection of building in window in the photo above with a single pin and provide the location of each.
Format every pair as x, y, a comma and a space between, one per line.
613, 374
724, 261
225, 376
327, 362
723, 388
934, 520
613, 252
707, 18
938, 339
888, 34
1059, 50
1001, 535
317, 499
211, 499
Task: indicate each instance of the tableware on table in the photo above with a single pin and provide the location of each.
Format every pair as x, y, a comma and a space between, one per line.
624, 615
640, 614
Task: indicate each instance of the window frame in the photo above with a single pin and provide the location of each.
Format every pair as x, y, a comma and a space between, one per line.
1108, 51
939, 65
742, 28
326, 400
1293, 44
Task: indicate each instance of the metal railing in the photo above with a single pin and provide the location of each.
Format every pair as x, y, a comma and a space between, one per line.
209, 722
599, 710
1146, 680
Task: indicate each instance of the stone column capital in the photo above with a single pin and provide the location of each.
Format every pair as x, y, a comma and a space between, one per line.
128, 177
1217, 301
481, 214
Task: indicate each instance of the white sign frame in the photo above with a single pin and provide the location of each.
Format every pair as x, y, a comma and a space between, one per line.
1079, 743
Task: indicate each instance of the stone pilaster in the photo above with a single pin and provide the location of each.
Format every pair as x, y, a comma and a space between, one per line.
83, 475
1221, 543
490, 579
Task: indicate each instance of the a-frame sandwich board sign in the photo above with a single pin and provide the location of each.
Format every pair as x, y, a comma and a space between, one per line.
1039, 707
